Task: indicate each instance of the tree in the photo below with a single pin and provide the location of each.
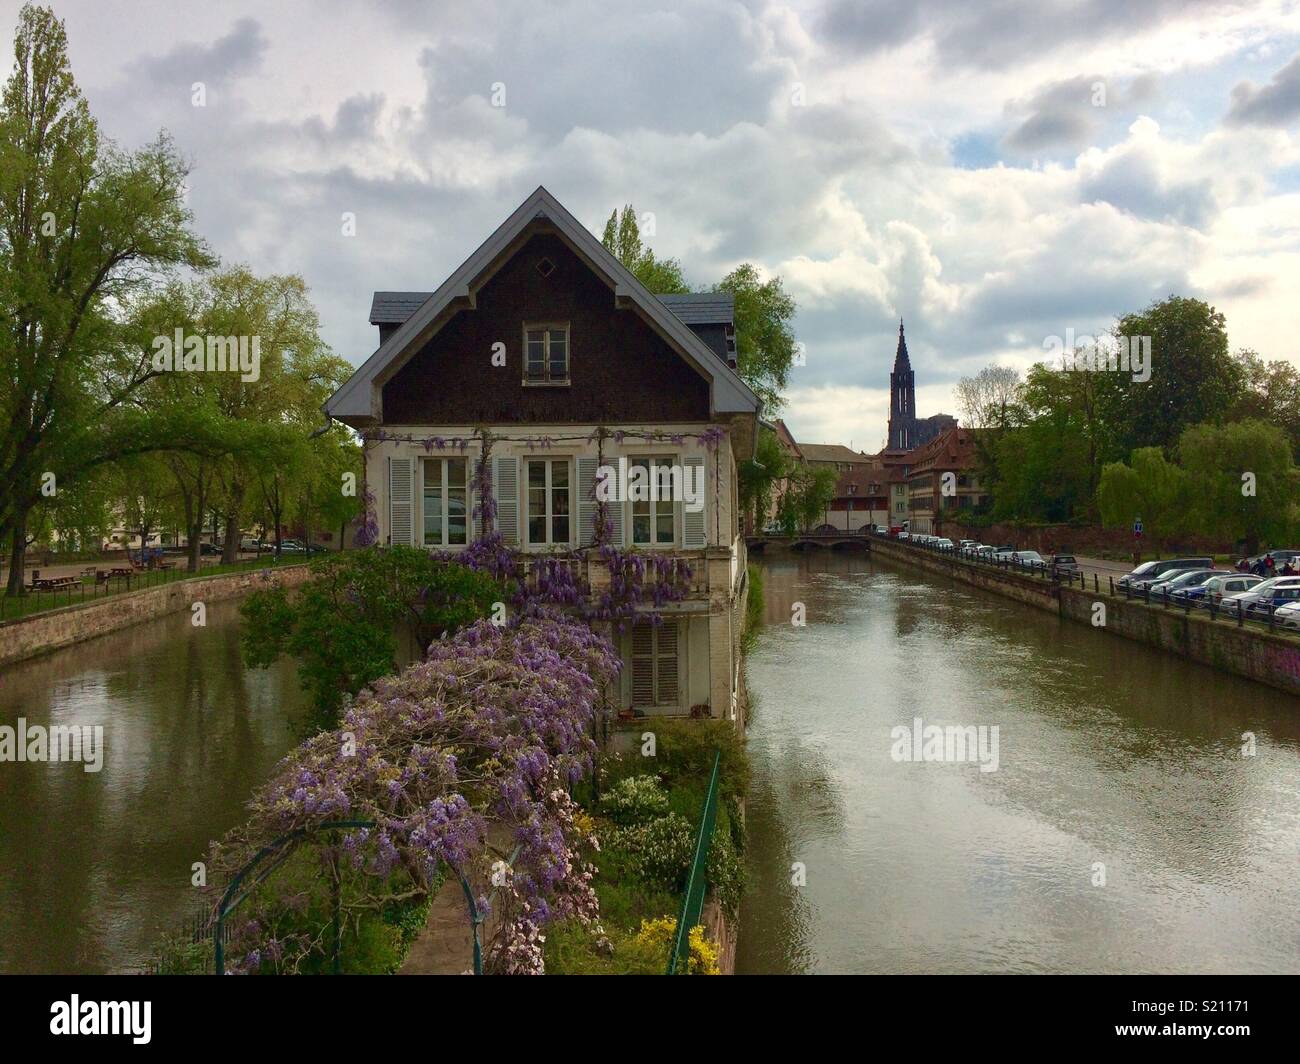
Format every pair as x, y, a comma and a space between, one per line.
1247, 485
83, 228
989, 406
623, 237
806, 499
765, 343
1271, 394
1148, 487
760, 475
1193, 379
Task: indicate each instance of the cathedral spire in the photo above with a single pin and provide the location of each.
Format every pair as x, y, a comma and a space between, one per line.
901, 361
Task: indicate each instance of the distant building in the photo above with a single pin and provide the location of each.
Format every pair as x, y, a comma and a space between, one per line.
941, 479
906, 430
860, 492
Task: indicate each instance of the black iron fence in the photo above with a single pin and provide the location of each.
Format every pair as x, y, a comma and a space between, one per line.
1263, 616
95, 582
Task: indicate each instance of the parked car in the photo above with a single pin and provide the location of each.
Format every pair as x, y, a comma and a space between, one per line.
904, 535
943, 544
1192, 580
1246, 600
985, 550
1148, 572
1064, 565
1288, 615
1218, 586
1160, 584
1028, 559
1287, 589
773, 528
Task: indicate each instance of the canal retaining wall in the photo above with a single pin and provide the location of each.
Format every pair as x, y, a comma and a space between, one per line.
1268, 657
28, 637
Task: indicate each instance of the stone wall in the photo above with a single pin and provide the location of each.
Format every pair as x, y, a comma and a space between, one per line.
27, 637
1272, 658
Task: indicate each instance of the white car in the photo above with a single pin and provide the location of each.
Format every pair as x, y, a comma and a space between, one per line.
1248, 600
985, 550
943, 544
904, 535
1288, 615
1030, 559
1218, 586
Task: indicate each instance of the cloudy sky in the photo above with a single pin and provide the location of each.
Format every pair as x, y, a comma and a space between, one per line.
995, 172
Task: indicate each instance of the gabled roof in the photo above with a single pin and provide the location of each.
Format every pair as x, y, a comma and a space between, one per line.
360, 397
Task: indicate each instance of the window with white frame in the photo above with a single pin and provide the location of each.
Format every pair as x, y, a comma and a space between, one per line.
655, 672
446, 502
550, 499
546, 353
653, 518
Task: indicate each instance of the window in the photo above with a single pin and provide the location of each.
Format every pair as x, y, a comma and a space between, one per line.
652, 518
546, 354
549, 498
654, 664
445, 502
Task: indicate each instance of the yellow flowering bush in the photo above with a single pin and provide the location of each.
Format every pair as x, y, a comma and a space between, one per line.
658, 934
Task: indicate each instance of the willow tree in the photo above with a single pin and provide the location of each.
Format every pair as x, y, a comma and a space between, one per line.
84, 229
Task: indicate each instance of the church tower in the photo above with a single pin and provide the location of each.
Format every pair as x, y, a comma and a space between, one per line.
902, 399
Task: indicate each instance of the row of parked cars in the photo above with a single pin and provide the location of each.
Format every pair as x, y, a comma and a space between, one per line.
1060, 565
1196, 582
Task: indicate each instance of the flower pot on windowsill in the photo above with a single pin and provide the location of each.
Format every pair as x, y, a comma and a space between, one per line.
700, 711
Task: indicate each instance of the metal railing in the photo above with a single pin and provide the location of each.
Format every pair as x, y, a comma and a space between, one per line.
1264, 615
693, 898
99, 582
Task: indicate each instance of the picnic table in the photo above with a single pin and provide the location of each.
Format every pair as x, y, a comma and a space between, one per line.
54, 583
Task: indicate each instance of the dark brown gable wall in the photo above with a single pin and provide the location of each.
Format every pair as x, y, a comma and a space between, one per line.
619, 367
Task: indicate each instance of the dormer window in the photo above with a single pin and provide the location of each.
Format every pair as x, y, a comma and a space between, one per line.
546, 353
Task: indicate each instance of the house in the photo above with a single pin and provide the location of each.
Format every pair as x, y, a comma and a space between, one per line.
544, 358
860, 496
942, 477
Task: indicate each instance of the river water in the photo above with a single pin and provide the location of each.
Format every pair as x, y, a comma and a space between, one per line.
1114, 761
94, 865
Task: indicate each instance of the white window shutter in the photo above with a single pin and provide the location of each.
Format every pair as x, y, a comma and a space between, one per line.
401, 502
505, 486
693, 526
643, 665
667, 691
586, 501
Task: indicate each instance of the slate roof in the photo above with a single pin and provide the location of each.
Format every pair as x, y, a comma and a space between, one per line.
702, 308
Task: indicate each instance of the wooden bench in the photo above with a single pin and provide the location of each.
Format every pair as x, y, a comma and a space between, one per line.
55, 583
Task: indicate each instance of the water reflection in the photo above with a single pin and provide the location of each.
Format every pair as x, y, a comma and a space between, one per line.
1111, 755
92, 866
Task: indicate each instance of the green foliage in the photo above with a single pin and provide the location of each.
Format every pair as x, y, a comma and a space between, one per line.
1193, 378
759, 476
807, 496
84, 228
1150, 488
1216, 458
634, 800
343, 624
765, 343
622, 236
658, 851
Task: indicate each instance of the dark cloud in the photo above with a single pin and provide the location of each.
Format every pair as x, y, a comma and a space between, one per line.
1068, 114
1134, 182
237, 53
1274, 104
1001, 32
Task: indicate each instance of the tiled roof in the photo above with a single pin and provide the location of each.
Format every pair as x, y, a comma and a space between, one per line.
832, 452
393, 308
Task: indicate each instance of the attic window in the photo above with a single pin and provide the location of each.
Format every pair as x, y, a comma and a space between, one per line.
546, 353
545, 267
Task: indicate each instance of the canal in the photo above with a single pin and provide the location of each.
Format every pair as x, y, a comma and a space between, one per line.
1123, 830
93, 866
